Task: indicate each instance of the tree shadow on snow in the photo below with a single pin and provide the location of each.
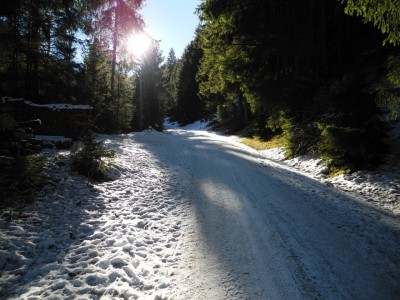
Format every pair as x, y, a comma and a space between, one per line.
38, 231
331, 243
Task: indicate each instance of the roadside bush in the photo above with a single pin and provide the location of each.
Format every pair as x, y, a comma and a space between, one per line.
351, 133
350, 148
341, 146
92, 160
300, 138
229, 118
225, 113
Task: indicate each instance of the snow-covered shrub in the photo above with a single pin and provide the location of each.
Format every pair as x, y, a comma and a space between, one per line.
93, 159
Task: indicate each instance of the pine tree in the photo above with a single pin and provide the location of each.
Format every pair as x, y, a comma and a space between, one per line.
97, 82
384, 14
189, 107
149, 91
41, 42
168, 74
113, 21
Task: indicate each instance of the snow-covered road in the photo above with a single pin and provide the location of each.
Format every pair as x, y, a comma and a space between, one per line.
257, 231
194, 215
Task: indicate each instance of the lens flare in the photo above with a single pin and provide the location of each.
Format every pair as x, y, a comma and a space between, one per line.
138, 44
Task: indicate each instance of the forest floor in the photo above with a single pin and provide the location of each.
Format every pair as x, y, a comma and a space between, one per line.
192, 214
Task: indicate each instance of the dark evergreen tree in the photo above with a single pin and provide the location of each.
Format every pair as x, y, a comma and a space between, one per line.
168, 75
114, 20
97, 82
384, 14
149, 90
189, 107
40, 41
287, 61
38, 54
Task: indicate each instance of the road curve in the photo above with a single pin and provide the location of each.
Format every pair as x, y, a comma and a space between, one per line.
257, 231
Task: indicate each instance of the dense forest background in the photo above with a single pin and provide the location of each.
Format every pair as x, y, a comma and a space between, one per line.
318, 73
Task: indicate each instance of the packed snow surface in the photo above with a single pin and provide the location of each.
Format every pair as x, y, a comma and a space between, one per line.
113, 240
194, 215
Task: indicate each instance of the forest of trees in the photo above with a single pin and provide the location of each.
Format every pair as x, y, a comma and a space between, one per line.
306, 70
315, 71
71, 51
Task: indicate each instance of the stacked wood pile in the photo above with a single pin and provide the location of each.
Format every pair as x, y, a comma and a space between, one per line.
57, 119
16, 139
17, 136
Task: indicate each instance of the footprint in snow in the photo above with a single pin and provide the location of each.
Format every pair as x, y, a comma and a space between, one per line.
118, 262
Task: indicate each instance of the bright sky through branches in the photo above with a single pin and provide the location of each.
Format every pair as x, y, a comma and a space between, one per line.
173, 22
138, 44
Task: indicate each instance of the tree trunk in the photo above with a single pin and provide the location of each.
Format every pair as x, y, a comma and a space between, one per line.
114, 51
14, 79
32, 56
323, 39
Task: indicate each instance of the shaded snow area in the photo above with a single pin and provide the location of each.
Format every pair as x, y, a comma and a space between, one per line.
198, 125
260, 229
114, 240
380, 187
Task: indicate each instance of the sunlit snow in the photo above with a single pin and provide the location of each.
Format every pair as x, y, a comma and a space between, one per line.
124, 239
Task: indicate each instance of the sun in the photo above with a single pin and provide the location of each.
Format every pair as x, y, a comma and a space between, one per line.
138, 44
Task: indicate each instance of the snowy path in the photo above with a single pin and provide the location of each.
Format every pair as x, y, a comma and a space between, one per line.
258, 231
195, 215
115, 240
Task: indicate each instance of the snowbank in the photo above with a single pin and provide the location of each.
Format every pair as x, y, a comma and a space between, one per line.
380, 187
198, 125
